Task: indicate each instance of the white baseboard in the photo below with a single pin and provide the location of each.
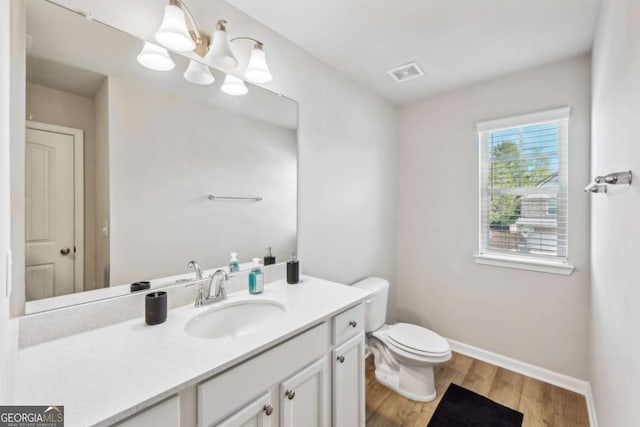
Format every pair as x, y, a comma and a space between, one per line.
591, 407
564, 381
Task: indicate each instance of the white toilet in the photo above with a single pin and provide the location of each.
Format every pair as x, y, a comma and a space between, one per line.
404, 354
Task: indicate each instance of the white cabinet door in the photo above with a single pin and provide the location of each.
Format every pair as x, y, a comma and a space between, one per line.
304, 398
348, 383
258, 413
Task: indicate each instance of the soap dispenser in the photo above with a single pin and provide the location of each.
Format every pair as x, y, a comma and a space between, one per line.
269, 259
293, 270
256, 278
234, 266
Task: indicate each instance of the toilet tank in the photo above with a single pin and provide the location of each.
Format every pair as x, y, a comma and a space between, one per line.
376, 302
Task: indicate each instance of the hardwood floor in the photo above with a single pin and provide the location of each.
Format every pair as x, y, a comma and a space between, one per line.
542, 404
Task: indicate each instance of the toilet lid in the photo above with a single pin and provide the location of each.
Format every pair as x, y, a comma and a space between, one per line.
413, 337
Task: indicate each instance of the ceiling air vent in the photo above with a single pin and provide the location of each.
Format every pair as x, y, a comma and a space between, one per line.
405, 72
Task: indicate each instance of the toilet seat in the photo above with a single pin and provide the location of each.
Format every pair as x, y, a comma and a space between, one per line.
417, 340
438, 354
401, 348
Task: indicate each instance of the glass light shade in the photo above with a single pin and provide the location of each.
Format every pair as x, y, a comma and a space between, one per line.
220, 54
233, 86
173, 32
155, 58
257, 70
198, 73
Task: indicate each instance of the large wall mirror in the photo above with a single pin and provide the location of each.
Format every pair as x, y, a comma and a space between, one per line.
121, 160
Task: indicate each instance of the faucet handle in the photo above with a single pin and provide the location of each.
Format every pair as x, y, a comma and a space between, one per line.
225, 275
217, 281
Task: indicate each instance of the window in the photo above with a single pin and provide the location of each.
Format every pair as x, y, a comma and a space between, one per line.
523, 191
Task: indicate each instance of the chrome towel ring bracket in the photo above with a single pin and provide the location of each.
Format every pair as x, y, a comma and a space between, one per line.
599, 184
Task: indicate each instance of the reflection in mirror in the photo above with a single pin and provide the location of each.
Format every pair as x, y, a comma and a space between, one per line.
121, 160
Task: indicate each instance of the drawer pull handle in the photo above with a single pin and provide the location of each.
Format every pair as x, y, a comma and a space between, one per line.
268, 409
341, 359
290, 394
353, 323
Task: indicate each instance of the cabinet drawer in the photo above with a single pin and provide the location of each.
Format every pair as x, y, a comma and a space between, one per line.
348, 324
232, 389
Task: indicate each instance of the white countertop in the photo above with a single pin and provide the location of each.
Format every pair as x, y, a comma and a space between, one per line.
104, 375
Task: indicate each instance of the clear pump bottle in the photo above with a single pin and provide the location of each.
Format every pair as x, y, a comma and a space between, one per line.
234, 266
256, 278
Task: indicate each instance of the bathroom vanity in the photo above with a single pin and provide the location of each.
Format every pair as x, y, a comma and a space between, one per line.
291, 356
300, 363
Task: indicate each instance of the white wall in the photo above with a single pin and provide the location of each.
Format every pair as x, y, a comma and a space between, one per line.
614, 367
346, 146
167, 154
534, 317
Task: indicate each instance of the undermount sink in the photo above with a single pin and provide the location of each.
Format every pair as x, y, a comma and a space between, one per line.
234, 319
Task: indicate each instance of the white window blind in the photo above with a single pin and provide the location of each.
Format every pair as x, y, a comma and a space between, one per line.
523, 186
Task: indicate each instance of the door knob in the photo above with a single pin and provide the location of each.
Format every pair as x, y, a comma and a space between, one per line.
65, 251
268, 409
340, 359
290, 394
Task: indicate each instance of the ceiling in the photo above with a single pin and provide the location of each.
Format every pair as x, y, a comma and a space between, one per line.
455, 42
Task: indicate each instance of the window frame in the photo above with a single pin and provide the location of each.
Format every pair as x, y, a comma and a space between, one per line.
559, 265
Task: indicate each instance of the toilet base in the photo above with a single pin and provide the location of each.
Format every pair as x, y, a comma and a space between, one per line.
413, 381
418, 386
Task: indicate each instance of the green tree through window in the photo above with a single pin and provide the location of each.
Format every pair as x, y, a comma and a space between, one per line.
510, 168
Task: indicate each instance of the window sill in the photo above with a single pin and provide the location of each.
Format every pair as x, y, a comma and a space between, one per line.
525, 264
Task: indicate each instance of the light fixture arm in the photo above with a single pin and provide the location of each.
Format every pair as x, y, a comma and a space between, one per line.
258, 42
182, 5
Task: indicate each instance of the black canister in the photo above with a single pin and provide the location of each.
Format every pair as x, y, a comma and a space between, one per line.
140, 286
293, 270
269, 259
155, 308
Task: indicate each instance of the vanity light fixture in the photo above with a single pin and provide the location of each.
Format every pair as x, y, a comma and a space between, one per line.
233, 85
220, 54
198, 73
179, 32
258, 70
155, 57
173, 32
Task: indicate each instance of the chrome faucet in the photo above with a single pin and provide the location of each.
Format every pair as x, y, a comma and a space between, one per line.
196, 267
216, 283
